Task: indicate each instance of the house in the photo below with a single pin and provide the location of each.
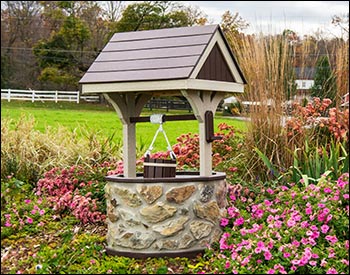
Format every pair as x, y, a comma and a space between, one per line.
304, 81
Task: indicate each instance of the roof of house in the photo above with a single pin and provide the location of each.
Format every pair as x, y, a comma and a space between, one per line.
304, 72
199, 52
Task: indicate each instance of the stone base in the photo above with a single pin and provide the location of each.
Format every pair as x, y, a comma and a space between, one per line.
156, 217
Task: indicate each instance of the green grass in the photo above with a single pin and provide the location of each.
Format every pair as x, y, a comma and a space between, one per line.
102, 119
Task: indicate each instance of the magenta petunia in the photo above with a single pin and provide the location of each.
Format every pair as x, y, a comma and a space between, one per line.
224, 222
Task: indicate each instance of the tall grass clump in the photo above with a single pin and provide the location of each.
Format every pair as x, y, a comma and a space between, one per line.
26, 153
267, 65
341, 69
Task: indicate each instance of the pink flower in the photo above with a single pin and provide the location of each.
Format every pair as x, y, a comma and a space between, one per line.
224, 222
227, 264
314, 227
232, 211
314, 256
327, 190
308, 211
329, 217
291, 223
324, 228
267, 255
286, 255
323, 263
239, 221
312, 263
27, 201
332, 271
271, 271
29, 220
304, 224
8, 224
332, 239
260, 245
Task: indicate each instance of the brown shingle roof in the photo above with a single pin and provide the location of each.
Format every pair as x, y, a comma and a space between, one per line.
150, 55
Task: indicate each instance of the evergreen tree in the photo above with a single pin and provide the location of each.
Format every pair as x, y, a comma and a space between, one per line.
325, 82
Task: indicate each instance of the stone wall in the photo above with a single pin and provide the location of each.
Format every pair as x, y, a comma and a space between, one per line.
165, 216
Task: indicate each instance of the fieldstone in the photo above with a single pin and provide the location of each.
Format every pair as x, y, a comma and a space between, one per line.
114, 202
221, 194
129, 198
150, 193
112, 217
158, 212
186, 242
172, 227
166, 245
206, 192
209, 211
135, 240
216, 236
129, 218
200, 229
180, 194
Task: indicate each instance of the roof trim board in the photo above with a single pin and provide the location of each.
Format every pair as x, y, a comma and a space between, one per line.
166, 85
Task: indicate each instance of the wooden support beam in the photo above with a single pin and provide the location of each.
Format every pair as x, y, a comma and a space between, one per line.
165, 118
128, 105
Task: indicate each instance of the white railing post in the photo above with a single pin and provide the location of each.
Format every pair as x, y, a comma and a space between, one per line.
78, 97
56, 96
8, 95
33, 96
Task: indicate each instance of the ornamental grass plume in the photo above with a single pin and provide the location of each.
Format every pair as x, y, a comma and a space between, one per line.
290, 229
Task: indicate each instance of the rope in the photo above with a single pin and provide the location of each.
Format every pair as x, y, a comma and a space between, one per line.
158, 119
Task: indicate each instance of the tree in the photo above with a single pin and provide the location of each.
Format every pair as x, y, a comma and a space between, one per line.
324, 80
61, 57
150, 15
342, 21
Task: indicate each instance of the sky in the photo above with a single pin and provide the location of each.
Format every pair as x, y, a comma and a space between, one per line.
303, 17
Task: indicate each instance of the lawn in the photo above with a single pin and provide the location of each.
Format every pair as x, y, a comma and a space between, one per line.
102, 119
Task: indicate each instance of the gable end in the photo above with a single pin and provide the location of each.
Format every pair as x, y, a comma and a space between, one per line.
215, 67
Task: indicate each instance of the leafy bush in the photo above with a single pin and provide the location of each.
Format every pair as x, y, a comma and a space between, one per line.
290, 229
78, 191
226, 154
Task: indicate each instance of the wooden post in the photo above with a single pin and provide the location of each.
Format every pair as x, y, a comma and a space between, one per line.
202, 101
128, 105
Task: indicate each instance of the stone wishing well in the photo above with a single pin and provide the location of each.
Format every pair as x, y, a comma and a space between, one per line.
165, 215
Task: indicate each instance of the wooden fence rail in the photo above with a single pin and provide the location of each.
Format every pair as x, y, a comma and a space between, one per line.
33, 95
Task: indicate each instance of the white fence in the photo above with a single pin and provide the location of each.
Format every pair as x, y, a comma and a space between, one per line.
71, 96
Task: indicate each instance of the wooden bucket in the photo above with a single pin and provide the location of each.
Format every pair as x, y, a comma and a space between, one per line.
159, 168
